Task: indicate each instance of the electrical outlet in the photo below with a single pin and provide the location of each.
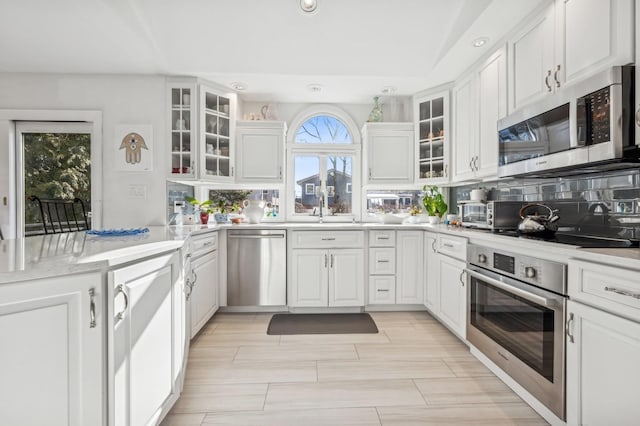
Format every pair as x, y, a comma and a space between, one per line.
138, 192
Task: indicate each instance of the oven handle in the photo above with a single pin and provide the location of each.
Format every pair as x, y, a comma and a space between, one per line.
515, 290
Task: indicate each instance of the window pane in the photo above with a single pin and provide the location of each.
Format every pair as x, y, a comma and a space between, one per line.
339, 171
56, 166
306, 171
323, 129
392, 201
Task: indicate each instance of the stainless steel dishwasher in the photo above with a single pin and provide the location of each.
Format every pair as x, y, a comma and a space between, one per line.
256, 267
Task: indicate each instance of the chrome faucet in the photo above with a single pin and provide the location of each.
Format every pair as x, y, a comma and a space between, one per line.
321, 205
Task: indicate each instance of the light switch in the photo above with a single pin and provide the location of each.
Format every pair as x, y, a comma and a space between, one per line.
138, 192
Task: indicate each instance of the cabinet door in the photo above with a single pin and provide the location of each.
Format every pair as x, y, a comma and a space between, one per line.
453, 294
259, 154
492, 105
431, 275
204, 292
346, 277
531, 58
389, 155
217, 130
409, 258
308, 280
464, 131
52, 356
182, 127
143, 340
607, 42
602, 368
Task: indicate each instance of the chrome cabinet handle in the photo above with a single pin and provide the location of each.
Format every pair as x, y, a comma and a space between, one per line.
386, 290
328, 238
623, 292
383, 261
448, 245
460, 278
325, 260
120, 290
555, 76
568, 328
546, 80
188, 288
232, 172
637, 117
382, 238
207, 243
92, 308
475, 163
433, 245
471, 163
280, 173
195, 278
369, 172
446, 173
332, 261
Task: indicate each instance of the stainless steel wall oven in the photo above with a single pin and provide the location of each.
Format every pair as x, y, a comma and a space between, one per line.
516, 317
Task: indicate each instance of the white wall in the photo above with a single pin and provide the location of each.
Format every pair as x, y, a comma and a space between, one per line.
123, 99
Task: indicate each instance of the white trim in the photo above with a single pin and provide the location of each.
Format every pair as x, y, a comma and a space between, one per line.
94, 118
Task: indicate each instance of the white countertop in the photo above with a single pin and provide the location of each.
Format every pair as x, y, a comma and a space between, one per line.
59, 254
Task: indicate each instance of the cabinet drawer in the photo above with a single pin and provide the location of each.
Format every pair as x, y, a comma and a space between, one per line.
607, 287
382, 260
326, 239
203, 244
453, 246
382, 238
382, 289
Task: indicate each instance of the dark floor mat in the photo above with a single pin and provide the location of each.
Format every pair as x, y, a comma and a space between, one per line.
321, 324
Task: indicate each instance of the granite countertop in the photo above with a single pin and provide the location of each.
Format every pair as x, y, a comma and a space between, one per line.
61, 254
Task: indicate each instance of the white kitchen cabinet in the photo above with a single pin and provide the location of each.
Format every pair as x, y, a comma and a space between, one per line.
480, 100
382, 289
431, 274
567, 42
182, 121
409, 258
602, 367
203, 280
53, 351
217, 131
260, 151
388, 153
432, 147
453, 294
326, 277
143, 338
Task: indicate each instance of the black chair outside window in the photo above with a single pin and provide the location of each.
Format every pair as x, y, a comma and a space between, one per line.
58, 216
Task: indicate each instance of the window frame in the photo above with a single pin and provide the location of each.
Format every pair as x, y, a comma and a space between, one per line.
353, 150
306, 189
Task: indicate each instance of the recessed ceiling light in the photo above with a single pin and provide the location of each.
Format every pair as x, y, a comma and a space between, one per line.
308, 6
480, 41
315, 88
389, 90
236, 85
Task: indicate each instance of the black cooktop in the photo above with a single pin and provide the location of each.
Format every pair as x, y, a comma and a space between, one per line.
586, 241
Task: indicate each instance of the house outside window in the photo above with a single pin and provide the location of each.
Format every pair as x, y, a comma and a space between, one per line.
309, 189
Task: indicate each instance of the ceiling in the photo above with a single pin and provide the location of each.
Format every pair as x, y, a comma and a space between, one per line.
352, 48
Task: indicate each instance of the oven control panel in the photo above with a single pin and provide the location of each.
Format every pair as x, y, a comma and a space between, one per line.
540, 272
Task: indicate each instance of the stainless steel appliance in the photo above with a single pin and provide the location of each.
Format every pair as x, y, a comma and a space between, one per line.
516, 317
256, 268
586, 125
492, 215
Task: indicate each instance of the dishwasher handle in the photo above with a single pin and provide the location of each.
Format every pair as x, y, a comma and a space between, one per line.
255, 236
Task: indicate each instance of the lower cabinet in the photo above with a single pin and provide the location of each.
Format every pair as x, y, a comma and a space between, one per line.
409, 258
53, 351
320, 278
145, 328
603, 371
453, 294
431, 274
203, 296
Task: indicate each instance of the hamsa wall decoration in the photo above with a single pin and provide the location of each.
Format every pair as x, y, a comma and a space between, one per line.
133, 144
134, 148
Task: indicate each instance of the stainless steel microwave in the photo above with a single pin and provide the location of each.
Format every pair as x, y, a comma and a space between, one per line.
492, 215
586, 125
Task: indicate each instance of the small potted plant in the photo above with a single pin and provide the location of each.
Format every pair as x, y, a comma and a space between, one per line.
221, 215
434, 203
204, 207
414, 211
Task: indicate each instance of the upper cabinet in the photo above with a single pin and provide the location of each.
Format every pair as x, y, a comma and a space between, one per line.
567, 42
389, 151
260, 153
479, 100
202, 127
432, 135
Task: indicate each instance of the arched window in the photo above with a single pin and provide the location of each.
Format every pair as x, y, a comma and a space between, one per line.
324, 165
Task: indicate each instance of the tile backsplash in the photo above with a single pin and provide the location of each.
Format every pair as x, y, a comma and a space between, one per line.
611, 197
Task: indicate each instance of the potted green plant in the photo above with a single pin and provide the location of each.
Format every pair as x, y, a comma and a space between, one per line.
220, 214
434, 203
204, 207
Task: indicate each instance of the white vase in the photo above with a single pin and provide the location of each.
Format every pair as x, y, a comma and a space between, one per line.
433, 220
253, 210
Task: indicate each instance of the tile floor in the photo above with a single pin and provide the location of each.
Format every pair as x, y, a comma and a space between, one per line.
413, 372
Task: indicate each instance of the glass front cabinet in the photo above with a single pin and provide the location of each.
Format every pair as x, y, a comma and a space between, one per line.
202, 130
432, 137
